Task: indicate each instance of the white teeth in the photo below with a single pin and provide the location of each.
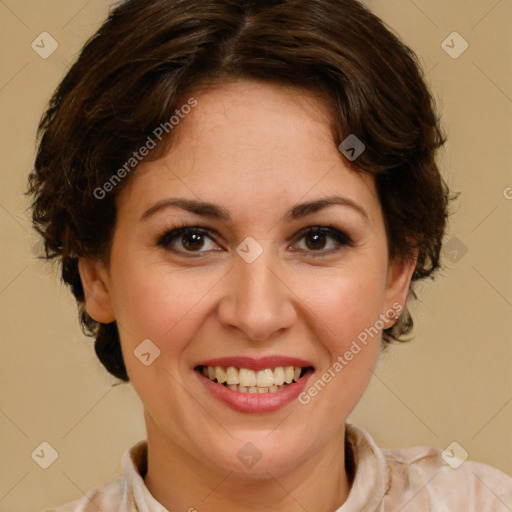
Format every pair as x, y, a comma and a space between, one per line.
220, 374
265, 378
254, 389
279, 376
245, 380
232, 375
247, 377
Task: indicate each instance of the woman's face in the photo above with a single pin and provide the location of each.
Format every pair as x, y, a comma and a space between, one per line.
259, 290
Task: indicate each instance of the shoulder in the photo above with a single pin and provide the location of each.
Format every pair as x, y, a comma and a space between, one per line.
427, 477
122, 494
422, 479
106, 498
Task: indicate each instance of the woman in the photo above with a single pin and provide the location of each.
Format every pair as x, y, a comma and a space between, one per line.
241, 195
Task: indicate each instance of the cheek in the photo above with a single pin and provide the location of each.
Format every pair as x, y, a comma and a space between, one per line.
157, 302
165, 306
345, 302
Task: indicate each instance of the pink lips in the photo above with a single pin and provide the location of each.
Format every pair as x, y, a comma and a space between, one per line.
255, 364
256, 403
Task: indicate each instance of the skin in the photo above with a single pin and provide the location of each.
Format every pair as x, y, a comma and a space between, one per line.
257, 150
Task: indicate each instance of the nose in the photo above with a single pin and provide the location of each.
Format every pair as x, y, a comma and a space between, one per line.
257, 301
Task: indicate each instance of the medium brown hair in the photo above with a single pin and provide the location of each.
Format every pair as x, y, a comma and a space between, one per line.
133, 74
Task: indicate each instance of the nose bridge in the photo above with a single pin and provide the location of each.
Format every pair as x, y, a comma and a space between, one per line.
257, 283
256, 301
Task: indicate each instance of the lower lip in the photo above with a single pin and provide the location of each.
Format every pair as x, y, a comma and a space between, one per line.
255, 403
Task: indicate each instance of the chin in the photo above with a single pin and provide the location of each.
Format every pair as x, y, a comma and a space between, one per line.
256, 458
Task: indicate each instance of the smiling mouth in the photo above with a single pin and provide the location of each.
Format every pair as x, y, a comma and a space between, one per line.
245, 380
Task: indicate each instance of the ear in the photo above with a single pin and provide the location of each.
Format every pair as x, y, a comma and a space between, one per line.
95, 283
399, 277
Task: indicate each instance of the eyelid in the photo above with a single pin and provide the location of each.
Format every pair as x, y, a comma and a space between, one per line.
326, 229
341, 238
172, 234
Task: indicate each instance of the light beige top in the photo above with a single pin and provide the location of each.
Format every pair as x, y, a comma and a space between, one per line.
409, 480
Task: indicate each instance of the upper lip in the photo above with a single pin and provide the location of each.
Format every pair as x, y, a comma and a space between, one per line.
255, 364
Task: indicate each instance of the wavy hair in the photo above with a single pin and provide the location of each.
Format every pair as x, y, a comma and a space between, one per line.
149, 54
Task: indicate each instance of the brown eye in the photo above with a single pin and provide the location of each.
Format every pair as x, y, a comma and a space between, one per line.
192, 241
187, 240
324, 240
315, 241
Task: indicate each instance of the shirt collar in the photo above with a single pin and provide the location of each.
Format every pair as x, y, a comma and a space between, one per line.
372, 476
369, 487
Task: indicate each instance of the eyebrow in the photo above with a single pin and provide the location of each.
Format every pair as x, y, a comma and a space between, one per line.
214, 211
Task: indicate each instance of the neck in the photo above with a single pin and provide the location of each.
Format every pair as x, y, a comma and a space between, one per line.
179, 481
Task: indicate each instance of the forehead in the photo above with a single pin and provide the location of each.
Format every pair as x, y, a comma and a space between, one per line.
253, 146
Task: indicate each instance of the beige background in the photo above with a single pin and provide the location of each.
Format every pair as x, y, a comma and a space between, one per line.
452, 383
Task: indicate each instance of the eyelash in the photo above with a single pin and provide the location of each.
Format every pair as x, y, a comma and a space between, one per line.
341, 238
